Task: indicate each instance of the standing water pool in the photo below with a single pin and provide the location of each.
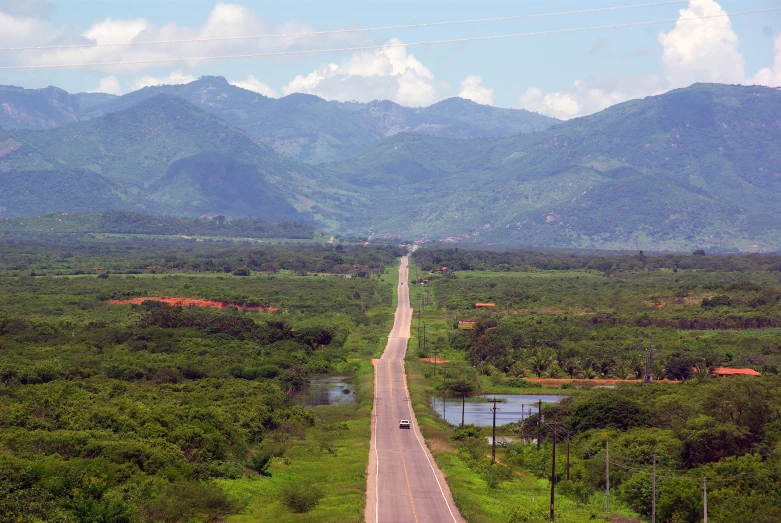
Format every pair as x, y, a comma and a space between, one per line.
477, 410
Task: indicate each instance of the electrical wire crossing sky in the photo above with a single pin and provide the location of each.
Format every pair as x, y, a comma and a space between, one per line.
561, 58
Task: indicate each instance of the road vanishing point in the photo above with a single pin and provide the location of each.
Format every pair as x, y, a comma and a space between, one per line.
404, 482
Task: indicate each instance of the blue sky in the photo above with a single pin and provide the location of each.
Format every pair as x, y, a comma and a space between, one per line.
563, 75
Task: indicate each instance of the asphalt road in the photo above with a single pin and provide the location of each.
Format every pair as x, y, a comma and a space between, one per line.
404, 482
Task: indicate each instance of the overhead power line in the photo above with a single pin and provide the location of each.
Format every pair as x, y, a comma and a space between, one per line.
384, 46
343, 31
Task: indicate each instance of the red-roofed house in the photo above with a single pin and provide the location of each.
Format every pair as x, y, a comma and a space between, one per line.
481, 305
722, 372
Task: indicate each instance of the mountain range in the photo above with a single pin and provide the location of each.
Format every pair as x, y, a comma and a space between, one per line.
695, 167
300, 126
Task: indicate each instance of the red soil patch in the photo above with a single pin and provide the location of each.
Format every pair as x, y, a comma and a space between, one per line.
557, 382
434, 360
188, 302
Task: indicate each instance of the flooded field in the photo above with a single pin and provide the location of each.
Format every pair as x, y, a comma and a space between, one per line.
477, 410
332, 390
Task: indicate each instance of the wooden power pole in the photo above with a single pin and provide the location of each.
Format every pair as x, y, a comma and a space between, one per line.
553, 474
539, 422
493, 434
607, 476
653, 492
444, 391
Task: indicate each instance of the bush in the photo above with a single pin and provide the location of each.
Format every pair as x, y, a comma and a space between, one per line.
465, 433
260, 462
494, 475
300, 497
186, 501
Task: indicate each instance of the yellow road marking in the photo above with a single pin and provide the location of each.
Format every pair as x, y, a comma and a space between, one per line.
398, 442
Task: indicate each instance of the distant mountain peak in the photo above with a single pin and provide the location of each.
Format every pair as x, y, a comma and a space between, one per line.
213, 80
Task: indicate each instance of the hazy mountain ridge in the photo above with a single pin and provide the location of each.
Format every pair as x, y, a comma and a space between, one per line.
309, 128
150, 158
699, 166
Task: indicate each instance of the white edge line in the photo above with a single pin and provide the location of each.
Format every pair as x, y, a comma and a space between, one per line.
417, 432
376, 453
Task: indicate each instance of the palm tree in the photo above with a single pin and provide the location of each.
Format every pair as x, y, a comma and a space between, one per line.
540, 360
570, 366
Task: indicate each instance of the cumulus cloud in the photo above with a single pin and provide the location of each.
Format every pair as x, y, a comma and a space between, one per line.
224, 20
26, 7
108, 85
704, 50
771, 76
472, 89
591, 95
115, 31
388, 73
253, 84
175, 78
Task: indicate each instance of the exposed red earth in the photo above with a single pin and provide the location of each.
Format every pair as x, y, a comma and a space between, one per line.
190, 302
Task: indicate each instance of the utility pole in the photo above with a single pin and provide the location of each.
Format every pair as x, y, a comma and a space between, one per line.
420, 311
539, 422
520, 426
704, 500
444, 391
493, 436
568, 438
424, 339
607, 476
653, 492
553, 474
649, 363
463, 404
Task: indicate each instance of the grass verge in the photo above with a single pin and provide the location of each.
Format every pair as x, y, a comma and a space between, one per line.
333, 455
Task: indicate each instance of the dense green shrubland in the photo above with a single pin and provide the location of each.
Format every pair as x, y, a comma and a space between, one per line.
581, 316
118, 413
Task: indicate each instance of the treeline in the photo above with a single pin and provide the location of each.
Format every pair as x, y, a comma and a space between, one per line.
554, 347
725, 430
523, 260
124, 222
74, 256
128, 222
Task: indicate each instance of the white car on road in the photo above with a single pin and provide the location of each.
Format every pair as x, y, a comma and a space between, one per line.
404, 424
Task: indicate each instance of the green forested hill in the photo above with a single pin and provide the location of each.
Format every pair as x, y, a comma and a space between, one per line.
163, 154
696, 166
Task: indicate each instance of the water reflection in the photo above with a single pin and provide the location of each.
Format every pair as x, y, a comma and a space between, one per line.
333, 390
477, 410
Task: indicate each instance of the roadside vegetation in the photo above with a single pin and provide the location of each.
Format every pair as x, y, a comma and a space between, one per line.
561, 323
148, 412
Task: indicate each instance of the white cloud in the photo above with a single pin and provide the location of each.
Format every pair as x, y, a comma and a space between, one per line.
389, 73
224, 20
27, 7
591, 95
115, 31
771, 76
705, 50
253, 84
108, 85
175, 78
472, 89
